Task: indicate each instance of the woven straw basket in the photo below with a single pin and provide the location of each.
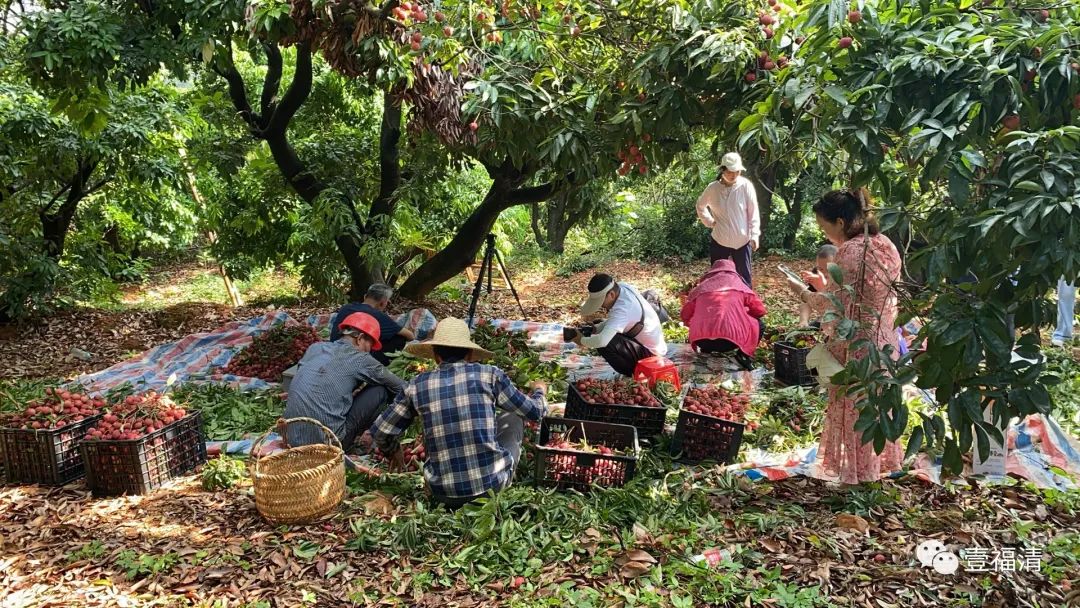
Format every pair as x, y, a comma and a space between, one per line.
300, 484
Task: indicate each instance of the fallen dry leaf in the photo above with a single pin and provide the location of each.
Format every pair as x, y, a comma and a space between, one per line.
637, 555
378, 504
634, 569
773, 546
641, 533
852, 522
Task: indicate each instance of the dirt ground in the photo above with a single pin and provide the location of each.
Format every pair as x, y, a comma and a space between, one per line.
56, 347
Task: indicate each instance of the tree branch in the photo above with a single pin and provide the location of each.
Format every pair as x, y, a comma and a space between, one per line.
389, 158
272, 82
104, 180
533, 194
238, 91
297, 94
56, 197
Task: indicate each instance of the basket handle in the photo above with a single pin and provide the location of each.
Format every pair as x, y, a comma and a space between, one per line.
283, 424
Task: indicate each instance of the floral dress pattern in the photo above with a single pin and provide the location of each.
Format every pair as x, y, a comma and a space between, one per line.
871, 265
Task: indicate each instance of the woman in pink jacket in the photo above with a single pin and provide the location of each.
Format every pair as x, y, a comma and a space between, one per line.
724, 315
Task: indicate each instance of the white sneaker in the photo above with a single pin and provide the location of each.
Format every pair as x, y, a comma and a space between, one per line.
1057, 343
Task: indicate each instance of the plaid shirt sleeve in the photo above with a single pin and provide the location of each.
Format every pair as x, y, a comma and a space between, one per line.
394, 421
509, 398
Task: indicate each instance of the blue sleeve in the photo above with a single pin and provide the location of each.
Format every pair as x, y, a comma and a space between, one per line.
509, 398
394, 421
338, 317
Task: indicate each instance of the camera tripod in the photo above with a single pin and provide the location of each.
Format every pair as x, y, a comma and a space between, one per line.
491, 255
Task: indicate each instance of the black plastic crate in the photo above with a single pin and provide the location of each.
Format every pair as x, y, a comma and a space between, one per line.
570, 469
699, 437
141, 465
790, 364
649, 421
44, 456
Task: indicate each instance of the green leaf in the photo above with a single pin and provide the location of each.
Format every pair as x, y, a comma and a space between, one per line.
952, 459
982, 443
836, 274
914, 442
837, 94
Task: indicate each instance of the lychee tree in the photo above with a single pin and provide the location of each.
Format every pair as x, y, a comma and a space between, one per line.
533, 102
963, 118
52, 170
517, 88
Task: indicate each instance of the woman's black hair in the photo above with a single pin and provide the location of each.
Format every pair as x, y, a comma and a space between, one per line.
450, 354
852, 206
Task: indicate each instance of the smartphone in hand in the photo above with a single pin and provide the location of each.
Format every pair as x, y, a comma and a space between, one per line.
791, 275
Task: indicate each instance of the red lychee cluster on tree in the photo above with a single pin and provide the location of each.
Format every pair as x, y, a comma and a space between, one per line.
764, 62
632, 158
409, 11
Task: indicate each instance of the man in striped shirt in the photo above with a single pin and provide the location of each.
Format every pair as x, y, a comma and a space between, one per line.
340, 384
728, 207
472, 448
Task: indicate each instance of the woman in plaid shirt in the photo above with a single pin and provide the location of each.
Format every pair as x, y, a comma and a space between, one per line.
472, 449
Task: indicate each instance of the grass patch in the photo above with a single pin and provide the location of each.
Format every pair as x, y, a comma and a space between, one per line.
203, 283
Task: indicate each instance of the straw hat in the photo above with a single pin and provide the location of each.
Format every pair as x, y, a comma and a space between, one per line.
449, 332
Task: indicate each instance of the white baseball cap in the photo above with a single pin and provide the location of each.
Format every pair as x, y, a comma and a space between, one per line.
732, 162
599, 287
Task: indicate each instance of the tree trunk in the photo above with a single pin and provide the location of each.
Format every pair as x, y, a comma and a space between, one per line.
271, 124
505, 192
557, 239
795, 211
55, 224
557, 220
462, 249
534, 217
764, 184
564, 211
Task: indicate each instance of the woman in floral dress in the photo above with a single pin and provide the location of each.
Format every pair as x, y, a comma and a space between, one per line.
871, 266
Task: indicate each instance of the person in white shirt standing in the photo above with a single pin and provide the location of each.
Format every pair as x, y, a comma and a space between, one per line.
632, 330
728, 207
